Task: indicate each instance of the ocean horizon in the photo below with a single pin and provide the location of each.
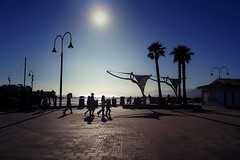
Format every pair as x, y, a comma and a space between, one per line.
191, 93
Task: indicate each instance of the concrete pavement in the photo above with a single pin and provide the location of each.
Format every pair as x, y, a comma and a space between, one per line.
213, 133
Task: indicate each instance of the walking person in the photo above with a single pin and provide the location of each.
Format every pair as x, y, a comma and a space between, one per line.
103, 106
69, 105
88, 106
108, 106
129, 100
92, 105
44, 103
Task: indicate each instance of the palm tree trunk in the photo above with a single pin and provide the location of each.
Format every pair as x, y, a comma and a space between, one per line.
158, 81
184, 83
179, 83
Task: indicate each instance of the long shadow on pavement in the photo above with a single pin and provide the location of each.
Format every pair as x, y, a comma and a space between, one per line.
153, 115
2, 112
206, 118
27, 119
63, 115
214, 112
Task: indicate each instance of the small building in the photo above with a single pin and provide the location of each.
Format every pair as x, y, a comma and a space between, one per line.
15, 88
221, 92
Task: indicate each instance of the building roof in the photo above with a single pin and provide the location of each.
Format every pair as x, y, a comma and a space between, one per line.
220, 82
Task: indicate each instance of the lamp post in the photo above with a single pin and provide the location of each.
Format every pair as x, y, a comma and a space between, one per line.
219, 71
61, 69
24, 76
31, 75
9, 80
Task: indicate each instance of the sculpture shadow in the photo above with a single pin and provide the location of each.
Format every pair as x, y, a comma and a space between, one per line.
202, 111
153, 115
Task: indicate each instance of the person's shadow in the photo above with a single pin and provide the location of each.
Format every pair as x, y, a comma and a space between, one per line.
103, 119
64, 115
88, 119
109, 117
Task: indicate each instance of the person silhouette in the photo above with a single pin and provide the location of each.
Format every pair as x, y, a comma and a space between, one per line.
92, 105
129, 100
108, 111
103, 106
88, 105
69, 105
150, 99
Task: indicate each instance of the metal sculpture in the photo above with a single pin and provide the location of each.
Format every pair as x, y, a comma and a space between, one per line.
173, 83
141, 80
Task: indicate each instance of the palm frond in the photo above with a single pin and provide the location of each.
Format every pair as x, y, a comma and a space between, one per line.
157, 50
150, 55
182, 54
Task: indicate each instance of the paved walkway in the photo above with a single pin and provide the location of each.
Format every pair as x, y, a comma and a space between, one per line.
158, 134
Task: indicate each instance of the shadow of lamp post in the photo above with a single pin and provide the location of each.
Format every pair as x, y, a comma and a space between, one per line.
32, 76
219, 71
61, 69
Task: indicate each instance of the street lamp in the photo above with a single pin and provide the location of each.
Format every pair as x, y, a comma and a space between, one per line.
61, 69
31, 75
9, 80
219, 71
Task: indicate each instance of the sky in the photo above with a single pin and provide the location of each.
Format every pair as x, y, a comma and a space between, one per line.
114, 35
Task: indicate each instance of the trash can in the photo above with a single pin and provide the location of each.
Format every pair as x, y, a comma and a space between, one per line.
122, 101
114, 102
81, 102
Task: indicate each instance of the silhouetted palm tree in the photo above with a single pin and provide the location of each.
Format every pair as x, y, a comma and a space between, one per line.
186, 53
182, 55
155, 51
178, 58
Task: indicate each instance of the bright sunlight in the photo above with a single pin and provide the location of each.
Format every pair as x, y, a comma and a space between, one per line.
100, 16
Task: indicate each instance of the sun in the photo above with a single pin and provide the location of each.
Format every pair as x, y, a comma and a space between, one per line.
100, 17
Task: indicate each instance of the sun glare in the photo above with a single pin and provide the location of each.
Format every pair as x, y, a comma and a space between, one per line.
100, 17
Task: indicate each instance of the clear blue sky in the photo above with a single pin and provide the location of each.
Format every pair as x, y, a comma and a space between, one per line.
211, 28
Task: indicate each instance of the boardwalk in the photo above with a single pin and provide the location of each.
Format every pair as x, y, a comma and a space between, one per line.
213, 133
